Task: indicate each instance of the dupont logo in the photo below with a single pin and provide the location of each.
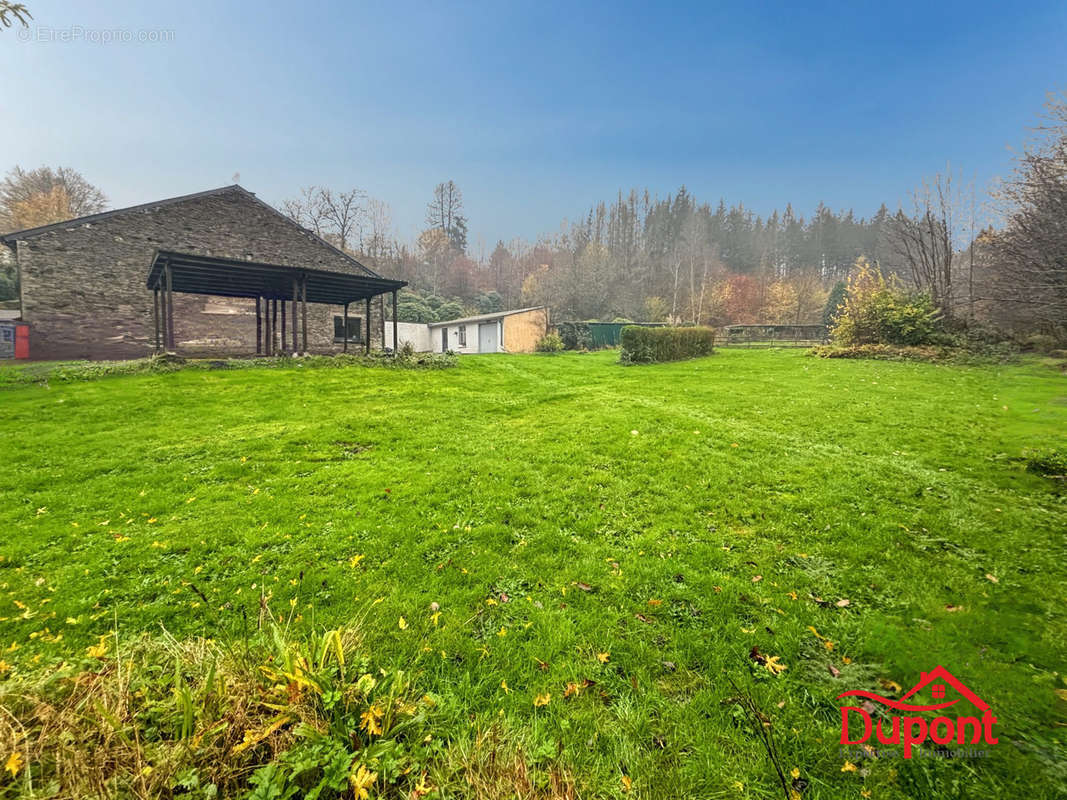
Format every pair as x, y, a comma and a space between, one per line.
971, 721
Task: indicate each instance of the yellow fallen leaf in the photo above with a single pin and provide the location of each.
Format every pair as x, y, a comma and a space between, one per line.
888, 684
794, 773
603, 657
626, 783
848, 767
774, 665
403, 624
371, 721
504, 686
354, 560
542, 700
991, 578
13, 763
362, 779
98, 650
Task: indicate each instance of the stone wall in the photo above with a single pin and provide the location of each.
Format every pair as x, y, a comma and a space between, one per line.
83, 285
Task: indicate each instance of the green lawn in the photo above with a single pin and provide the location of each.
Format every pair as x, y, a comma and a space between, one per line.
669, 518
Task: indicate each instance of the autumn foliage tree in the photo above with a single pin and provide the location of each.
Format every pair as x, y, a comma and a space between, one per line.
42, 196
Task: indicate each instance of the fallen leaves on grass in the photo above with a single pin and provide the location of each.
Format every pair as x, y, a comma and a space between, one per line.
542, 700
603, 657
888, 685
848, 766
402, 624
991, 578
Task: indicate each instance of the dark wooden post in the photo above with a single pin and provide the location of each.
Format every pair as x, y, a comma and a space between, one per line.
274, 326
259, 329
394, 324
344, 331
170, 310
155, 315
282, 348
304, 313
296, 296
366, 345
381, 319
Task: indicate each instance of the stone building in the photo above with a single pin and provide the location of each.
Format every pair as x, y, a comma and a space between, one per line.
85, 283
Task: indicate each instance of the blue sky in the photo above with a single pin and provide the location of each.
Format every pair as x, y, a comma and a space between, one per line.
537, 109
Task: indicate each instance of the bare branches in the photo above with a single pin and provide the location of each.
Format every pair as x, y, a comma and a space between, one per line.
14, 12
342, 218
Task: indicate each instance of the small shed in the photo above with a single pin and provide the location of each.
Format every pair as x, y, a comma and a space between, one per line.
515, 331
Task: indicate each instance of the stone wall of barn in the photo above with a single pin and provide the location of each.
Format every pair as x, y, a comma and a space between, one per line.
83, 286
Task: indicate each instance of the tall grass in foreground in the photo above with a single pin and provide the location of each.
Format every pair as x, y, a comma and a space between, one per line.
276, 717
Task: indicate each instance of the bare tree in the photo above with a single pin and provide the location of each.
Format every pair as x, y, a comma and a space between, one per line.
44, 195
923, 241
444, 213
1028, 258
307, 209
345, 215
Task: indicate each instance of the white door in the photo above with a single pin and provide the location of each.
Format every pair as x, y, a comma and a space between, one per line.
488, 337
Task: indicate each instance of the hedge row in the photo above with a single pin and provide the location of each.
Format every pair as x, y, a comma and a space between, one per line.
651, 345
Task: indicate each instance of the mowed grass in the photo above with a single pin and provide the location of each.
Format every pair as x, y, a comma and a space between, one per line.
643, 528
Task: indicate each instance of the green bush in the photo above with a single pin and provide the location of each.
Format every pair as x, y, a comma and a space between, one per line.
575, 335
642, 345
1040, 343
1049, 462
877, 312
549, 343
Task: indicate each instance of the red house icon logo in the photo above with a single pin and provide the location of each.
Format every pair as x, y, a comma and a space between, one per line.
913, 730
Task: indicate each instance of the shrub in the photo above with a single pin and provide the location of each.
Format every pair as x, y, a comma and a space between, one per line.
1050, 462
642, 345
549, 343
1040, 343
875, 311
575, 335
933, 354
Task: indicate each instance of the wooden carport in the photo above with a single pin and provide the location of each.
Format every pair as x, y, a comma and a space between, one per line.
268, 285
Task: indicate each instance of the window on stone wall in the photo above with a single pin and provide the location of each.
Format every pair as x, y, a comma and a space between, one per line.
462, 335
355, 329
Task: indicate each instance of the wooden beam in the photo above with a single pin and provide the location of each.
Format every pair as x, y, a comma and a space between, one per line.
366, 345
282, 348
296, 296
344, 329
304, 312
155, 317
395, 334
170, 311
259, 329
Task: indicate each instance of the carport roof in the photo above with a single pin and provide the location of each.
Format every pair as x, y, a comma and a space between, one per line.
229, 277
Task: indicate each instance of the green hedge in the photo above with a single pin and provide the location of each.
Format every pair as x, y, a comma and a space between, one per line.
650, 345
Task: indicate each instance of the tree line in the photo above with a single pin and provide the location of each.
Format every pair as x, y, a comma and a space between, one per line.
1001, 260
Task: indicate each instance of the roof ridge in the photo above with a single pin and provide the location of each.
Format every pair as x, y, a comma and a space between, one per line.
87, 218
233, 187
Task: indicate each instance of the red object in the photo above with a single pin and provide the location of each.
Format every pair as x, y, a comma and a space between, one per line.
22, 341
